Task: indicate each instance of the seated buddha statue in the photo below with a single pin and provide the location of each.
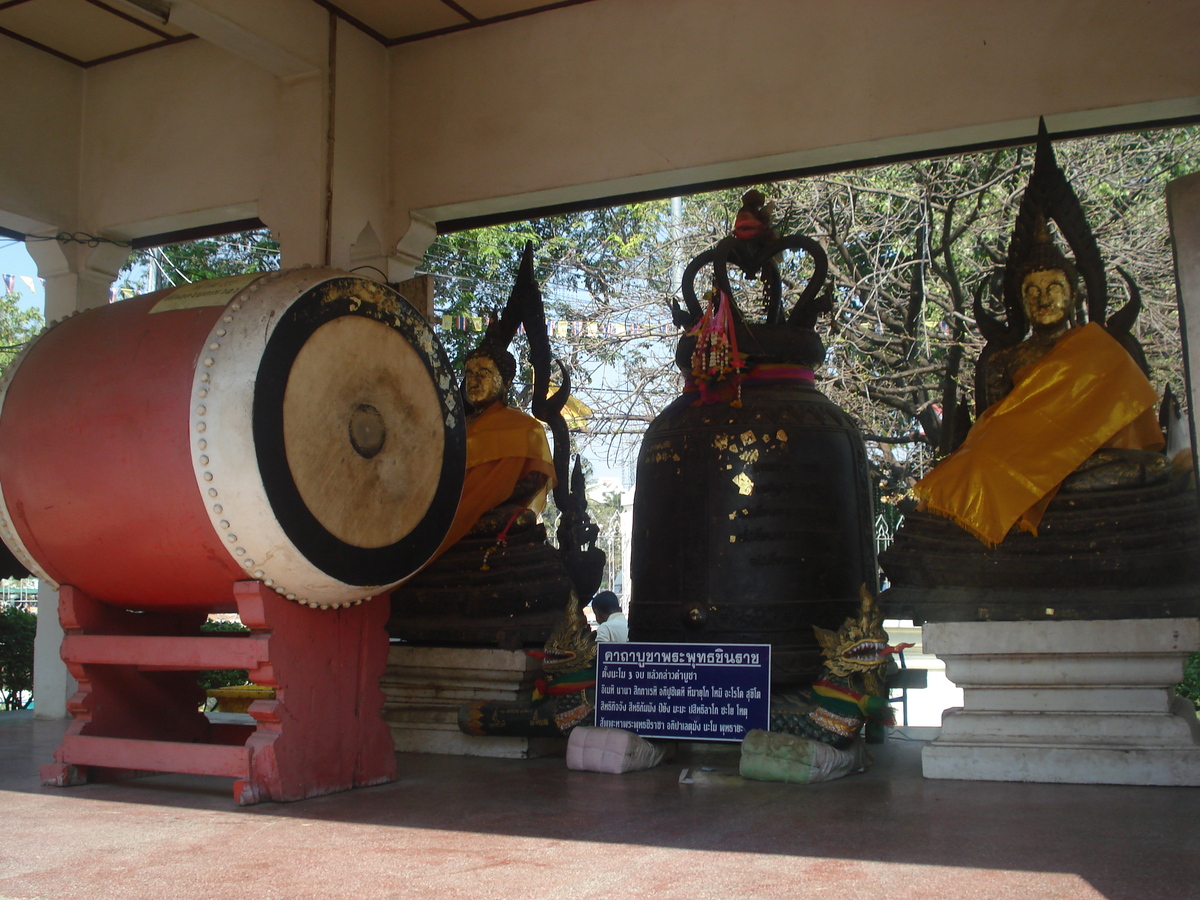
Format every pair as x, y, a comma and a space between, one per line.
510, 469
1050, 299
496, 579
1066, 406
1057, 504
1068, 409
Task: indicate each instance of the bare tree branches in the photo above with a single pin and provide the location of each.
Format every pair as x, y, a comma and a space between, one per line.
909, 245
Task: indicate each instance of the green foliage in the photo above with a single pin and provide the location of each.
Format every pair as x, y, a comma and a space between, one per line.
1190, 687
17, 326
599, 267
175, 264
220, 678
17, 630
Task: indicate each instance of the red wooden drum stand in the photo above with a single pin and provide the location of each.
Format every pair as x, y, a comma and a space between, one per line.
286, 445
137, 709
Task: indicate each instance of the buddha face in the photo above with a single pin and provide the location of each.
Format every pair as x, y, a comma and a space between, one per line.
483, 382
1047, 296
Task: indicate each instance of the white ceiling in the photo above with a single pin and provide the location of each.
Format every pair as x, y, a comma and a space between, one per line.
90, 32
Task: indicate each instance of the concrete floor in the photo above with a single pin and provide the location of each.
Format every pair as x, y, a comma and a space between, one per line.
454, 827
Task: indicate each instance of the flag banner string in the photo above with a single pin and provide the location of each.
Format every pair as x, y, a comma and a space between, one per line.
566, 327
10, 283
556, 328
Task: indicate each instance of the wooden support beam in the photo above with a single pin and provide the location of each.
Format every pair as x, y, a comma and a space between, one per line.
156, 756
159, 652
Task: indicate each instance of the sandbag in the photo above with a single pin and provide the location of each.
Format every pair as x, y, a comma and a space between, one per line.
774, 756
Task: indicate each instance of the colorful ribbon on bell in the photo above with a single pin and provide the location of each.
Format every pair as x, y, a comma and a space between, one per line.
715, 359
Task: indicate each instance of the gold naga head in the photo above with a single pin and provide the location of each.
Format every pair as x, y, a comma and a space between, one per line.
572, 646
861, 644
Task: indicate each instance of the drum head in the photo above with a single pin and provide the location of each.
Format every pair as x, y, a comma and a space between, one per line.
363, 431
353, 409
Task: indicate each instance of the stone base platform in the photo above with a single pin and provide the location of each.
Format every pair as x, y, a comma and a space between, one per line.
1085, 702
424, 687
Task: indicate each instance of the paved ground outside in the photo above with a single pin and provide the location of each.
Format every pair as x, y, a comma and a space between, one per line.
454, 827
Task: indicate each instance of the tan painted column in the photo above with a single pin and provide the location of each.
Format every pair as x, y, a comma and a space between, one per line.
1183, 210
409, 251
292, 203
77, 277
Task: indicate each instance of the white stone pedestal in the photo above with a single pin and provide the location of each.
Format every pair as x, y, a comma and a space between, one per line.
424, 687
1073, 702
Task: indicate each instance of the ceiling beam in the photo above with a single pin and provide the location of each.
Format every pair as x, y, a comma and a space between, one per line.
240, 41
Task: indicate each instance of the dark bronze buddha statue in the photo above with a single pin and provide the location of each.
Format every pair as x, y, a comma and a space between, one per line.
496, 581
1058, 503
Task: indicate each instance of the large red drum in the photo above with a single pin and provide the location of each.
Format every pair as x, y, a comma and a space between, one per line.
301, 428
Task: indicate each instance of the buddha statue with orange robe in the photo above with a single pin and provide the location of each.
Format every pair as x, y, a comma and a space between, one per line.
496, 580
1057, 504
510, 469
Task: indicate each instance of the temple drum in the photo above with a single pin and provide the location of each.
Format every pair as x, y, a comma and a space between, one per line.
300, 428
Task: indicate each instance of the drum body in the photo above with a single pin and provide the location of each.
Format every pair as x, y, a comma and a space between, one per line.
300, 428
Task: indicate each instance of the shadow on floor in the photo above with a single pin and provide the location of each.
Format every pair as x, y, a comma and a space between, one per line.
1119, 843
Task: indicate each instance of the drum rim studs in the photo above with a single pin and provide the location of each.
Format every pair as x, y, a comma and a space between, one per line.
223, 378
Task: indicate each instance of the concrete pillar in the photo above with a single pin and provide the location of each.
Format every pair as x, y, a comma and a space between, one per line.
52, 683
77, 277
293, 200
1077, 702
410, 250
1183, 211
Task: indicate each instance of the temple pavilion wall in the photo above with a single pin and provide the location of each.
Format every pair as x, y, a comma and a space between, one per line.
575, 105
601, 99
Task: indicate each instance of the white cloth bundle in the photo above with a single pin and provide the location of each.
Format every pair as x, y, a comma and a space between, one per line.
611, 750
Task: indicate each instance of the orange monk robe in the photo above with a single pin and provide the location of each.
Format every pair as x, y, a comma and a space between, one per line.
503, 446
1085, 394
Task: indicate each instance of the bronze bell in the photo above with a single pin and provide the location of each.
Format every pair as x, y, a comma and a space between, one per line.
753, 516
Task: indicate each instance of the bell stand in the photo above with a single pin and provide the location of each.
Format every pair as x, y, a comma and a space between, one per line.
137, 708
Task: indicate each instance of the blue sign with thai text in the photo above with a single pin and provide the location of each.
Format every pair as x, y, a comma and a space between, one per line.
700, 692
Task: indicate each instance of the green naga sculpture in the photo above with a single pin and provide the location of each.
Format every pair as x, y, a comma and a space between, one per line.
814, 735
564, 695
